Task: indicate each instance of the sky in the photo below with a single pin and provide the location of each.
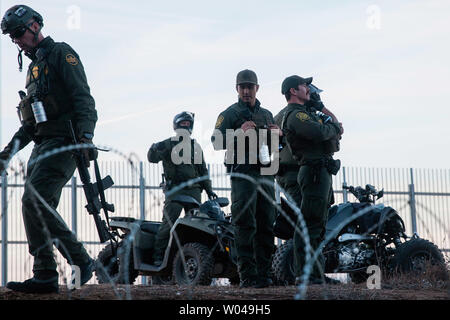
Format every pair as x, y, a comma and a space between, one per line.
383, 66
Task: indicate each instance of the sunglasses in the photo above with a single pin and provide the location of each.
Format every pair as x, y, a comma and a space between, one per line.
20, 31
17, 33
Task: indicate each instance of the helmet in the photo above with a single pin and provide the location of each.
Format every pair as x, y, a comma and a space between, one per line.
16, 18
212, 209
184, 116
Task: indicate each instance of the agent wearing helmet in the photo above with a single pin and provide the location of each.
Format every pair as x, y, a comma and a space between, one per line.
308, 137
253, 214
182, 160
57, 91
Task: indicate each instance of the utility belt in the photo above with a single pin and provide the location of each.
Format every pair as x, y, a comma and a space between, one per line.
170, 184
330, 164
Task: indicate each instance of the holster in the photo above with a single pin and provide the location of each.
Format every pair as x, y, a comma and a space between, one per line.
333, 166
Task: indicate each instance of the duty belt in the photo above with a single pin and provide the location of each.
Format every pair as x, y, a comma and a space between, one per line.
330, 164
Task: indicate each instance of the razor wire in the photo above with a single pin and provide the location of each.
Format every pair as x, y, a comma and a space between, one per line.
312, 257
54, 241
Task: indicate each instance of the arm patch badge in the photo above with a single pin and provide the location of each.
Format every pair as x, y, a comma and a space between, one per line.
302, 116
70, 58
219, 121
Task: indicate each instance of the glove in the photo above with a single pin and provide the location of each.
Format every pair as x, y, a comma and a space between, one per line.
2, 167
211, 195
315, 102
3, 157
89, 153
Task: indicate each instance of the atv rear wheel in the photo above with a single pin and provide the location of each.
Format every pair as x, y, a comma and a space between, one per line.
283, 264
416, 255
107, 265
109, 269
198, 268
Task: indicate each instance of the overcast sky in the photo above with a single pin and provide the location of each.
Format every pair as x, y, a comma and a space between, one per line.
383, 65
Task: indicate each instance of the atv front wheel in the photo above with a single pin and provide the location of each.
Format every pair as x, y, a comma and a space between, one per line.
417, 255
198, 268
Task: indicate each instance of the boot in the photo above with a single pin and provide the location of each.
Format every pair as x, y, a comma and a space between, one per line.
42, 282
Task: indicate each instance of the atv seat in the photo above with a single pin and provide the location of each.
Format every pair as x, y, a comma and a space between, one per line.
151, 227
187, 202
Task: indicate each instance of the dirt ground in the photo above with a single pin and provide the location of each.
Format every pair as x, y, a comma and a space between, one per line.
225, 293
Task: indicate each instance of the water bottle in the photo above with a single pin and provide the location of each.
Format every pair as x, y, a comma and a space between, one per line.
38, 111
264, 156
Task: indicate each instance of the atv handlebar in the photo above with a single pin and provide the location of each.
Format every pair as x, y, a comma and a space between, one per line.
366, 194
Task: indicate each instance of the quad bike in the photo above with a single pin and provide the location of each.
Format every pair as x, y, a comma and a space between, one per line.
201, 247
376, 237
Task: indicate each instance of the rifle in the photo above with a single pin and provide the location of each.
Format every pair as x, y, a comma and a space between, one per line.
94, 192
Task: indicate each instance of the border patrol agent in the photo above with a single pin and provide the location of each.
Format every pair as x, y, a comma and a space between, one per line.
287, 174
57, 91
253, 214
176, 174
312, 143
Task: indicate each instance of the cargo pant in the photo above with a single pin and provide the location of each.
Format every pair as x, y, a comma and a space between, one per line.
253, 216
316, 190
45, 227
288, 181
171, 212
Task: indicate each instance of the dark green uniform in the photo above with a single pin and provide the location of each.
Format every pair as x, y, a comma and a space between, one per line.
253, 214
288, 169
176, 174
56, 77
311, 143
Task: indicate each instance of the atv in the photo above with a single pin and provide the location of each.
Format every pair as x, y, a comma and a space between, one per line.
361, 234
201, 247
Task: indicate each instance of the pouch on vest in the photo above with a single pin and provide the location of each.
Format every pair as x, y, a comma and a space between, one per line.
25, 111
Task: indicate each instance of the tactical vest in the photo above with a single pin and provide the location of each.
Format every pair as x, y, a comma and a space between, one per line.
179, 173
261, 121
38, 88
296, 146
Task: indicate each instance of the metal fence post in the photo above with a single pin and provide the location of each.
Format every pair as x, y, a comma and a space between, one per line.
4, 229
74, 205
142, 201
412, 203
344, 183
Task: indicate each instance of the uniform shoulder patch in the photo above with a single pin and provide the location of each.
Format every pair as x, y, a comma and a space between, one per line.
35, 72
71, 59
302, 116
219, 121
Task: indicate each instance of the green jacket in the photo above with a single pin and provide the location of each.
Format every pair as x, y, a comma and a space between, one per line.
233, 118
56, 77
178, 173
286, 157
308, 137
